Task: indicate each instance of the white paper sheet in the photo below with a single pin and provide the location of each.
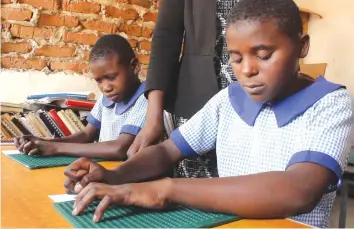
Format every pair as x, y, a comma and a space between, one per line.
62, 197
9, 152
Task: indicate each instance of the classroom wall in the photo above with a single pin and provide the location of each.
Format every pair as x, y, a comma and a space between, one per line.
15, 85
332, 38
56, 35
331, 42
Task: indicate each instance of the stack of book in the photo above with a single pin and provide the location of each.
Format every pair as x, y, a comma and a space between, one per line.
74, 101
46, 116
40, 123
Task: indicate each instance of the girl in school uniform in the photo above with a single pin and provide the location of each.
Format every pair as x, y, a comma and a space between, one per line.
282, 140
118, 115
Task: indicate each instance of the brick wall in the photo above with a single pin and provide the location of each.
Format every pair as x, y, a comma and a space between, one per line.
56, 35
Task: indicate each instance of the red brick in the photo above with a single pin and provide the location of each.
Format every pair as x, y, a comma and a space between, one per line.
146, 32
145, 45
21, 47
143, 3
150, 17
82, 7
133, 43
128, 14
16, 14
55, 51
80, 38
62, 66
144, 59
22, 31
22, 63
46, 4
45, 33
57, 20
133, 30
31, 32
86, 55
6, 1
101, 26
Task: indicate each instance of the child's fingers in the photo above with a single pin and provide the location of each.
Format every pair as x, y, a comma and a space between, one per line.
69, 186
77, 169
91, 177
133, 148
17, 142
27, 147
22, 145
101, 208
75, 176
33, 151
83, 199
78, 187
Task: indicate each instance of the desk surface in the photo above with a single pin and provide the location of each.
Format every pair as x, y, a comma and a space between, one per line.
21, 188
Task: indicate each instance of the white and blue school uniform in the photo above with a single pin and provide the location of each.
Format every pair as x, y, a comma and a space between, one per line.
313, 125
112, 118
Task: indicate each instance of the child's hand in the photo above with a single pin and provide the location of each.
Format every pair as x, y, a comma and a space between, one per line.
45, 148
82, 172
149, 135
27, 144
149, 195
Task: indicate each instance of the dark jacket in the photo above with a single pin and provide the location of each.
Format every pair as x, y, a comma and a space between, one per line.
190, 82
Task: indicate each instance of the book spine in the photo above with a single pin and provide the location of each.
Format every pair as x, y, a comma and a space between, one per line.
32, 120
50, 121
43, 125
5, 132
66, 122
79, 104
76, 120
8, 128
32, 129
7, 119
71, 121
59, 122
20, 126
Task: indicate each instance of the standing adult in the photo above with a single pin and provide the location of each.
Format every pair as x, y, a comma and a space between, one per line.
183, 83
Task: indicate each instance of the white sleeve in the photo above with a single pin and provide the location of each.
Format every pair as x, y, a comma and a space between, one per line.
198, 135
326, 140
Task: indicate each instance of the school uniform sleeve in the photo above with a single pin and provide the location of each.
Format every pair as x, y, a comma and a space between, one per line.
136, 120
95, 116
198, 135
326, 140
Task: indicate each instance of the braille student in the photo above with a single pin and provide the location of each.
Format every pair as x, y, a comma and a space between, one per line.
118, 115
281, 139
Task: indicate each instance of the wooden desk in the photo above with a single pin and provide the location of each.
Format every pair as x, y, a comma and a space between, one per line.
25, 202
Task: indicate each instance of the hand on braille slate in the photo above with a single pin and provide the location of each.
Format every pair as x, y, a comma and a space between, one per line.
32, 145
148, 195
82, 172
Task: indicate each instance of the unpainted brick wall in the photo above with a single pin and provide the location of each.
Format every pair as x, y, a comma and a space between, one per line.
56, 35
